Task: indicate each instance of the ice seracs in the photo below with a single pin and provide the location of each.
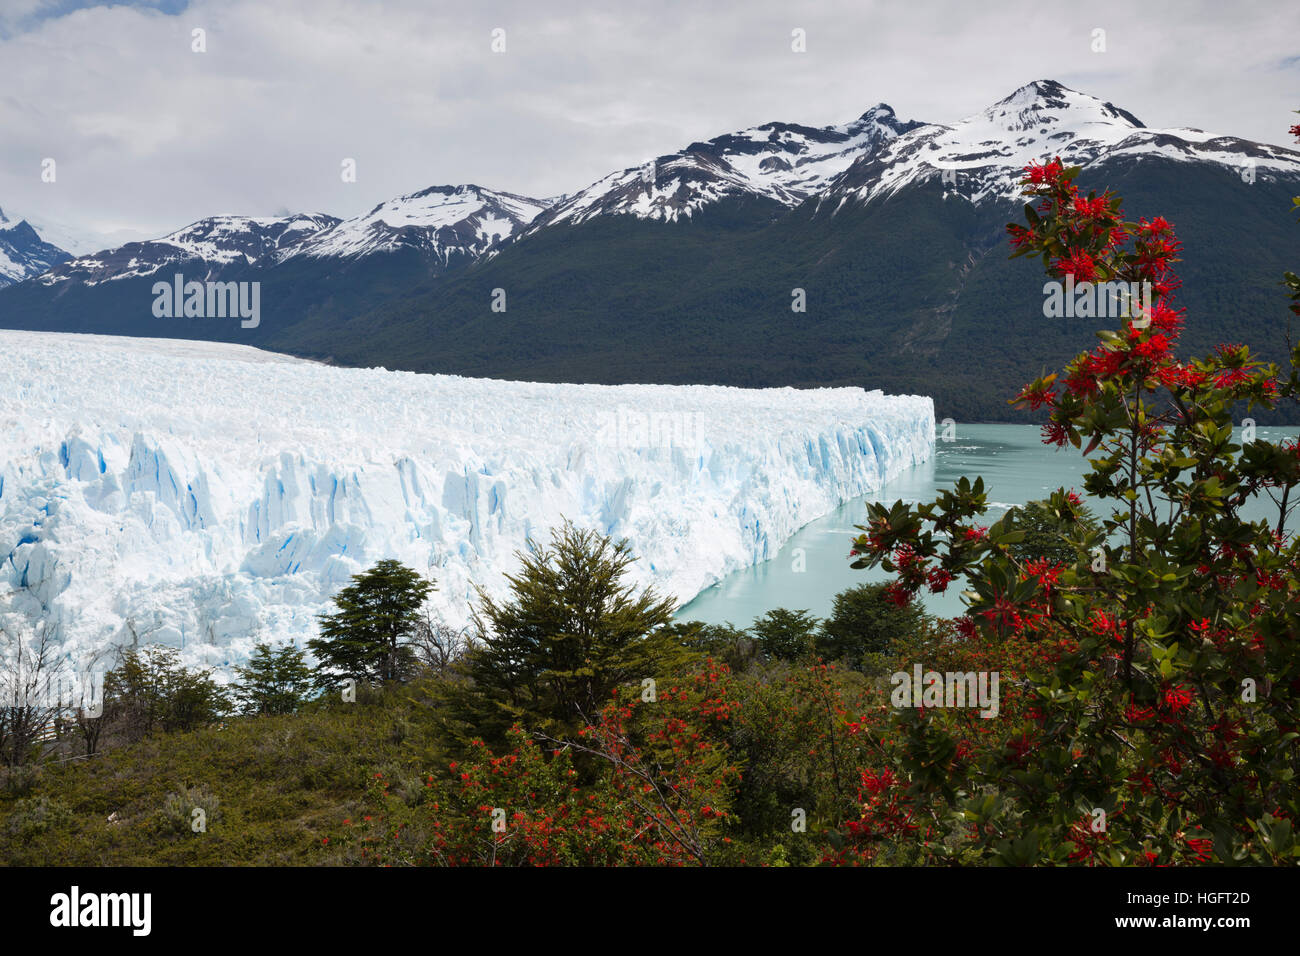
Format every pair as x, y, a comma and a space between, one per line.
211, 496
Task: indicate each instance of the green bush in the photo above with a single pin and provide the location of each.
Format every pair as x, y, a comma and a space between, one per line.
177, 814
35, 815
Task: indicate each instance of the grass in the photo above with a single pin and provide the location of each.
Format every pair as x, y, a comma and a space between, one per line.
273, 789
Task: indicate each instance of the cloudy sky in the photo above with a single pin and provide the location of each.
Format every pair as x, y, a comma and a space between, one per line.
149, 135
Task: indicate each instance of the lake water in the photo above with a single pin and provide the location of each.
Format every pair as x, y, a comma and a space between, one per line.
1015, 465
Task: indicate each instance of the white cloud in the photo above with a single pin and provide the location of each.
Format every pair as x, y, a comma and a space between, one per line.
149, 135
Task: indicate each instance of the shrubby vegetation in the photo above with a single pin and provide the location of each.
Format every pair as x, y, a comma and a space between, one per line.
606, 713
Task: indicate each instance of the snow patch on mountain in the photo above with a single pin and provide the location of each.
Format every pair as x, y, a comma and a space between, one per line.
23, 253
442, 221
81, 239
211, 496
783, 162
979, 158
982, 157
210, 245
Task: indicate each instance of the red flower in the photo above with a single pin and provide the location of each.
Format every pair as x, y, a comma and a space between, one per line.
1158, 226
1046, 571
1020, 746
1004, 613
1103, 625
1043, 175
1154, 348
1178, 698
1037, 394
938, 579
1102, 364
896, 593
1180, 376
1166, 319
1078, 264
1231, 378
1137, 715
1203, 848
1021, 236
1091, 208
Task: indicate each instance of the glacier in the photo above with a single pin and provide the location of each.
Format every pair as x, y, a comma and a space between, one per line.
212, 496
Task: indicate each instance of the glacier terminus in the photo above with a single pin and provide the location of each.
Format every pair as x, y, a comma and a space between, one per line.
213, 496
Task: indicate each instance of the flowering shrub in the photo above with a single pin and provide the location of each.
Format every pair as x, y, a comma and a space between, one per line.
1154, 720
648, 783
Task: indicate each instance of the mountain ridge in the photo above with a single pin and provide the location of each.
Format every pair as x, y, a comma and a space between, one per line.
683, 271
784, 163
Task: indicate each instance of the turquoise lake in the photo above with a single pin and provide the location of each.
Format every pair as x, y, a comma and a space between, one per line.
1015, 465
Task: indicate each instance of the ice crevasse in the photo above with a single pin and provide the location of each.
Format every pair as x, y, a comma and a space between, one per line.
212, 496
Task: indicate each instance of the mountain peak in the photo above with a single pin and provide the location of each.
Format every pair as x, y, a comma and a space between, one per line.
877, 112
982, 156
446, 222
1045, 88
778, 162
23, 253
1048, 101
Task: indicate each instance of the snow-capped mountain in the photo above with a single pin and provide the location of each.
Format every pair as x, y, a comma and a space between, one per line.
443, 222
214, 495
213, 244
982, 156
891, 228
23, 253
80, 239
979, 158
783, 162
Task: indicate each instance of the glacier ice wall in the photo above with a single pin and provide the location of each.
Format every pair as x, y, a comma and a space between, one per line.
211, 496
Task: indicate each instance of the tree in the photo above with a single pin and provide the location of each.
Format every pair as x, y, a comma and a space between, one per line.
1046, 535
366, 638
569, 634
151, 690
1155, 719
438, 647
274, 682
723, 642
865, 619
785, 635
89, 707
30, 672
